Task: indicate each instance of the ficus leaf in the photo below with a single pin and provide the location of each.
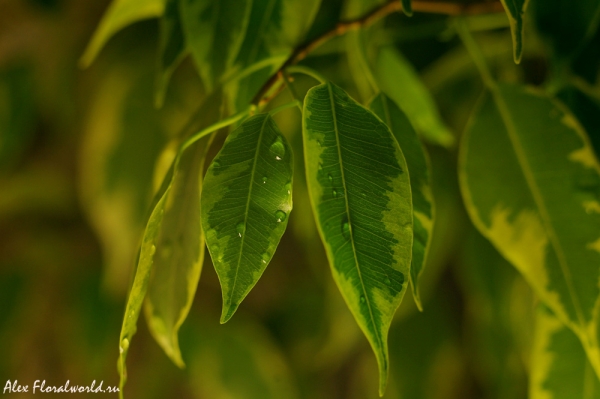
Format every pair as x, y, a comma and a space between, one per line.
246, 203
120, 13
420, 184
531, 184
360, 192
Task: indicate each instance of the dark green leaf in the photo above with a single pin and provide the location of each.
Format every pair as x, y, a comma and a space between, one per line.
407, 7
531, 184
246, 204
360, 192
418, 166
586, 108
515, 11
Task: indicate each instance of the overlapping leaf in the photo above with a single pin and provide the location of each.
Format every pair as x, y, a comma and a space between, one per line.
515, 11
246, 203
559, 366
360, 191
531, 184
119, 14
398, 79
418, 165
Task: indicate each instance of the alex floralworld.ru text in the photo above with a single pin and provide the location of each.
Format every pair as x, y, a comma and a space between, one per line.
41, 387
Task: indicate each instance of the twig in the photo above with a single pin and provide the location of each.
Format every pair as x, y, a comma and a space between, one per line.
437, 7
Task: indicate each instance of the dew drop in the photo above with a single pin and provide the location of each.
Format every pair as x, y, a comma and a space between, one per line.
334, 193
124, 345
264, 179
278, 149
216, 163
240, 228
319, 143
346, 229
330, 177
320, 166
152, 250
280, 215
265, 257
362, 299
388, 281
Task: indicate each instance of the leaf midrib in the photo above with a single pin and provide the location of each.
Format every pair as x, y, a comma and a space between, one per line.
335, 128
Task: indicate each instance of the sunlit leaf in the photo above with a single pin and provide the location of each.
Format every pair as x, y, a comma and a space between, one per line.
398, 79
172, 48
214, 32
246, 204
119, 14
515, 11
418, 165
531, 184
559, 366
360, 191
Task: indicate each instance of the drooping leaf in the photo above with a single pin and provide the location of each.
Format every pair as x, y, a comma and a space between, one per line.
172, 48
246, 203
559, 366
531, 184
214, 32
418, 166
119, 14
400, 82
360, 191
515, 11
179, 252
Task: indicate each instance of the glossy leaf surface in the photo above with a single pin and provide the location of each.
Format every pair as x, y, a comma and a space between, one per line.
531, 184
214, 32
360, 191
119, 14
418, 166
559, 366
398, 80
515, 11
246, 204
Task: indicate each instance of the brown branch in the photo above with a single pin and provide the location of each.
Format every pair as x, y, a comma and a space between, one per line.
436, 7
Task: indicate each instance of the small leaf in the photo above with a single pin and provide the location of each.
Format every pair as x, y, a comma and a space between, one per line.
515, 10
400, 82
172, 49
246, 204
214, 32
407, 7
120, 14
559, 366
420, 184
360, 192
531, 184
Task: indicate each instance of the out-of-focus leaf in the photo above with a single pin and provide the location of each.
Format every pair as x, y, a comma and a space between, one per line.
214, 32
531, 184
360, 191
172, 48
246, 203
515, 11
119, 14
559, 366
398, 80
407, 7
418, 166
586, 108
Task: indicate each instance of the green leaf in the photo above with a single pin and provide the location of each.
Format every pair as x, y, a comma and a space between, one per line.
120, 14
586, 108
407, 7
559, 366
531, 184
172, 49
420, 184
214, 32
360, 192
246, 204
515, 10
400, 82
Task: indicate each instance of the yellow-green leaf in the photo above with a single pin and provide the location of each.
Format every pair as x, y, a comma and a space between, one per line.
515, 11
246, 203
531, 184
119, 14
418, 166
360, 192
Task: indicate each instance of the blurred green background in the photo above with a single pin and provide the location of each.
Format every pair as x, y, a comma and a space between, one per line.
78, 149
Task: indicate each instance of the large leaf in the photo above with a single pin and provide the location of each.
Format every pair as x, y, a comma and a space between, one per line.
246, 203
398, 79
515, 11
360, 191
559, 367
531, 184
172, 48
119, 14
420, 185
214, 32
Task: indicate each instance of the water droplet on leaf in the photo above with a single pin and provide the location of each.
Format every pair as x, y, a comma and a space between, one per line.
240, 228
264, 179
362, 299
265, 257
346, 229
152, 250
216, 163
334, 193
278, 149
280, 215
330, 177
388, 281
124, 344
